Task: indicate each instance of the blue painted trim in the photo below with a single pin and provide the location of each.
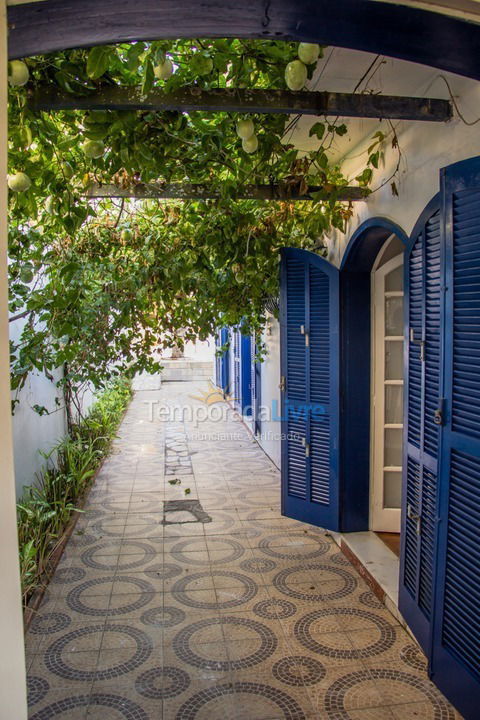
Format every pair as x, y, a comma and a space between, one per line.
355, 297
246, 375
366, 242
408, 33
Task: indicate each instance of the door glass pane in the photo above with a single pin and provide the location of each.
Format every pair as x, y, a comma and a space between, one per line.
393, 360
394, 279
393, 447
393, 404
394, 316
392, 489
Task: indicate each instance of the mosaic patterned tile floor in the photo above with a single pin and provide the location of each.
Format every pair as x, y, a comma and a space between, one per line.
154, 614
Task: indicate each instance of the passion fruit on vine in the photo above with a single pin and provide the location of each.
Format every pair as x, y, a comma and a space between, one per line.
163, 70
308, 52
19, 182
93, 148
18, 73
245, 129
202, 64
67, 170
126, 235
250, 144
296, 75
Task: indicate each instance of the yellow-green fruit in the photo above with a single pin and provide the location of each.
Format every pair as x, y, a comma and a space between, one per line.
308, 52
245, 129
163, 70
93, 148
19, 73
126, 235
296, 75
202, 65
20, 182
67, 170
250, 145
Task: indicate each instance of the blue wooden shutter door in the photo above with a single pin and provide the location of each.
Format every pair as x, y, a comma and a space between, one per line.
255, 384
421, 434
456, 634
218, 360
236, 370
246, 376
309, 309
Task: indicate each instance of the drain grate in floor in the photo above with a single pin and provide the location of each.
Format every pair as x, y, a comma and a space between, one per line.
184, 511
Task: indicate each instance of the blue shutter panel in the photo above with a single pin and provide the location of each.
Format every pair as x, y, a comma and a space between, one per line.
310, 366
422, 378
456, 632
236, 370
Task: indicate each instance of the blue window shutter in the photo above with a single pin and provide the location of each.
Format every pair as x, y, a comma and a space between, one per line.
237, 373
455, 652
309, 309
422, 391
246, 375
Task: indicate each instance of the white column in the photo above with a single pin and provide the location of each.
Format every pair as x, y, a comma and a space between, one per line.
13, 703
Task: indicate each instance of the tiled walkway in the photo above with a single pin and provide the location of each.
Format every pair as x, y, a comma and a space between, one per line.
247, 617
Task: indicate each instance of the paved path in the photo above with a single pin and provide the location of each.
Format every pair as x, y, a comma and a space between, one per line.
251, 616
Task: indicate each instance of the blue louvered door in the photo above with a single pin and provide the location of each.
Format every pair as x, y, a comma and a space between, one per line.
421, 434
309, 317
456, 633
255, 373
218, 359
237, 369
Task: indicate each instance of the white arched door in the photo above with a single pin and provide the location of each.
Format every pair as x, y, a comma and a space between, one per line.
387, 384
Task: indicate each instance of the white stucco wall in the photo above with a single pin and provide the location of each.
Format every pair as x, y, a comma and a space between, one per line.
426, 148
271, 396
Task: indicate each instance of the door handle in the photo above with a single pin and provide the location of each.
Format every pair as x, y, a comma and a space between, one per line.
418, 342
438, 414
416, 519
283, 383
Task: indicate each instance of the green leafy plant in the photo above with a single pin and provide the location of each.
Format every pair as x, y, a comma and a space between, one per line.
47, 506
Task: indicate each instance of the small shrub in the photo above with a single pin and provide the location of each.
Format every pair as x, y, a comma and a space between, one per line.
46, 507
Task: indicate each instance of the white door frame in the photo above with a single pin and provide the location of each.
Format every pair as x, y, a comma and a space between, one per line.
381, 519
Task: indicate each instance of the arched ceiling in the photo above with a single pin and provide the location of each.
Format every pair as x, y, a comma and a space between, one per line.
438, 33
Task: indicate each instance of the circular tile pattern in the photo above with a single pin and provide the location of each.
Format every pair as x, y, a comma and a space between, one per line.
63, 576
180, 590
75, 602
163, 616
387, 634
129, 561
337, 692
49, 623
299, 670
56, 664
280, 581
288, 707
163, 571
37, 688
268, 644
172, 680
340, 559
178, 550
274, 608
81, 538
265, 545
369, 599
413, 656
62, 708
258, 565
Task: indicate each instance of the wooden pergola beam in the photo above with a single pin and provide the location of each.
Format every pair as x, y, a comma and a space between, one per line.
246, 100
181, 191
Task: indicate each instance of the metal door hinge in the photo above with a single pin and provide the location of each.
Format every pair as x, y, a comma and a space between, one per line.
416, 341
283, 383
416, 518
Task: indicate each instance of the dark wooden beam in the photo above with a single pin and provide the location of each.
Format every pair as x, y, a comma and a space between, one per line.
414, 34
190, 99
181, 191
